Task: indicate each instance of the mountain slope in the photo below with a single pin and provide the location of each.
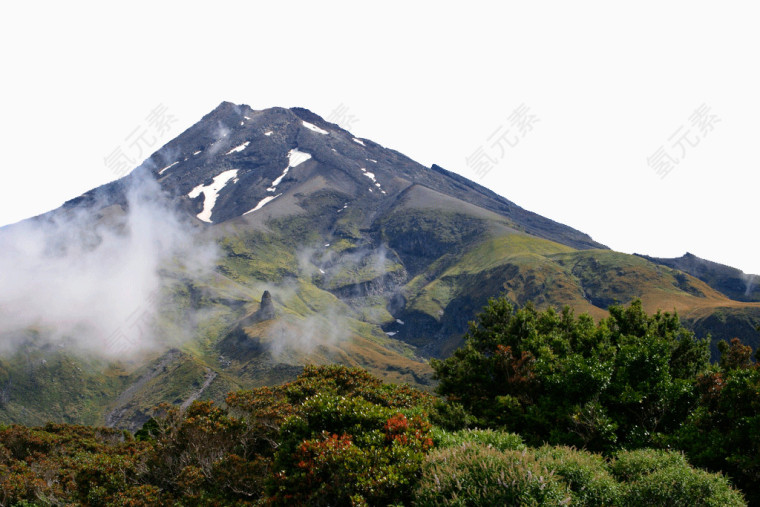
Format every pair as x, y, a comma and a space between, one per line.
732, 282
370, 259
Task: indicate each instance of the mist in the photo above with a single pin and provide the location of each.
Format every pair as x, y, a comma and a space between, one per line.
749, 282
88, 277
330, 326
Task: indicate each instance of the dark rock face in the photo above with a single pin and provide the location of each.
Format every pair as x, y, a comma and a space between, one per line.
236, 159
265, 311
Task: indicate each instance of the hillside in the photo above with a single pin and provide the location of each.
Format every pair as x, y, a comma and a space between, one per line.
732, 282
371, 260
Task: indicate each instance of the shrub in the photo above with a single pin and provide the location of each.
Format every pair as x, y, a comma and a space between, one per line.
686, 486
346, 450
451, 415
657, 477
63, 464
724, 432
499, 440
553, 377
353, 382
586, 474
475, 474
632, 465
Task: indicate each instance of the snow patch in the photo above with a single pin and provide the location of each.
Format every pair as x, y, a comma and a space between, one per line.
400, 321
268, 133
211, 193
359, 141
295, 158
195, 153
246, 117
374, 180
314, 128
168, 167
263, 203
369, 175
391, 333
372, 160
239, 148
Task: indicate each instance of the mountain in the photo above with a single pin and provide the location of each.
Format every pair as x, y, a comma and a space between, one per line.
732, 282
326, 247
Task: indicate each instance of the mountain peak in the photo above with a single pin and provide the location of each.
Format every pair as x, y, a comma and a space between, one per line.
238, 163
358, 253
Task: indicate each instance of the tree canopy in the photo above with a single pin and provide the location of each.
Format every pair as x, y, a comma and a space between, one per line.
567, 410
629, 381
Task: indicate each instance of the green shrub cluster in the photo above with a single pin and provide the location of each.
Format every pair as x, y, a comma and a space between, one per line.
475, 474
499, 440
567, 411
656, 477
335, 435
630, 381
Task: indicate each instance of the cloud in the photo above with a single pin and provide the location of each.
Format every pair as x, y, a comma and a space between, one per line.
220, 133
749, 283
88, 277
331, 324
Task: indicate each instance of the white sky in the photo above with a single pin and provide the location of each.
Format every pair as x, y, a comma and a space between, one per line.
609, 86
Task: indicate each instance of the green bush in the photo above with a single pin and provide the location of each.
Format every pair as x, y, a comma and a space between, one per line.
345, 450
560, 379
451, 416
655, 477
686, 486
724, 432
499, 440
632, 465
586, 474
475, 474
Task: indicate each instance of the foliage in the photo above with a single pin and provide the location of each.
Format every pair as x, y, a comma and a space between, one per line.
204, 454
340, 436
665, 478
336, 426
586, 474
630, 381
723, 433
58, 463
475, 474
553, 377
499, 440
340, 450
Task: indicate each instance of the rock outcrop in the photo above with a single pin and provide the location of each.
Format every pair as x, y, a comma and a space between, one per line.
265, 311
